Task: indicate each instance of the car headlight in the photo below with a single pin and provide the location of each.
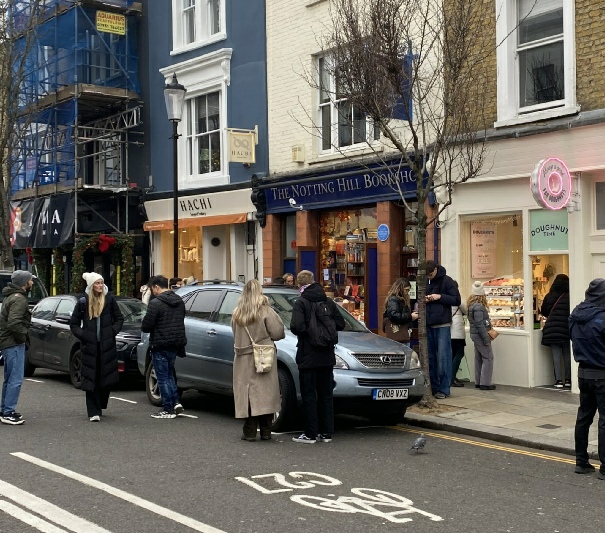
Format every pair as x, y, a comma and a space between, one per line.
341, 364
414, 360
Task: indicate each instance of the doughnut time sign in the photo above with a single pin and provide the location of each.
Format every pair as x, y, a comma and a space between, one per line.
551, 183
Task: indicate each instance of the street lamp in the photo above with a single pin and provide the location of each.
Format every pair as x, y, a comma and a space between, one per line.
174, 94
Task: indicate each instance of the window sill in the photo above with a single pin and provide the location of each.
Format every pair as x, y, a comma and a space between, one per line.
538, 115
210, 180
353, 151
221, 36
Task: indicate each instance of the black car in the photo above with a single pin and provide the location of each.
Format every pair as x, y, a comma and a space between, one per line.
53, 346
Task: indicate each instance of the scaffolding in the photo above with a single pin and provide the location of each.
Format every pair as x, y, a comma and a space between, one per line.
78, 99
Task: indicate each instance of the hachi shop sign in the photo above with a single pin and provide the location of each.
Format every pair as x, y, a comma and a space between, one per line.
551, 183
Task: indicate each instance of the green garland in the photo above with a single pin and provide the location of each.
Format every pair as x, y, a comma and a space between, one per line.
122, 255
58, 254
41, 265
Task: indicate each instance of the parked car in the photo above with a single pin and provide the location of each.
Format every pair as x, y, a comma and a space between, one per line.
53, 346
37, 292
375, 376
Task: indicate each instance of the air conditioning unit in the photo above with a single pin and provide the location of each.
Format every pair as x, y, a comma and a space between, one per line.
298, 153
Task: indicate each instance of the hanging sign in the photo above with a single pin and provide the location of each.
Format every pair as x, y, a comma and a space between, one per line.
242, 146
551, 183
111, 22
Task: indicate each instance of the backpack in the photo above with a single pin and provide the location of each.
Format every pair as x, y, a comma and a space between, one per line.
321, 329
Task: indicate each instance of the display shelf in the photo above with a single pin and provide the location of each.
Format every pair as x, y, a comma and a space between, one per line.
505, 303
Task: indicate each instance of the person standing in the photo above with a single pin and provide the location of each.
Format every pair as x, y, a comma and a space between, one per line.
15, 321
555, 334
315, 363
288, 279
397, 316
587, 331
95, 322
165, 321
458, 340
441, 294
256, 395
480, 323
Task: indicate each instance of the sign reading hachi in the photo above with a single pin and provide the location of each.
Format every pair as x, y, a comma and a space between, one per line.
551, 183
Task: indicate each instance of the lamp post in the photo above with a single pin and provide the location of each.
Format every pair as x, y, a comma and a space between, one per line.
174, 95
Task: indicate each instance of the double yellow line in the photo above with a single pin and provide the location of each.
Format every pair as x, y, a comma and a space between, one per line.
487, 445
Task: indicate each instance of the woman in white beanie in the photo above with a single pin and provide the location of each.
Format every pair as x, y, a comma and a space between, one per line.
95, 322
480, 323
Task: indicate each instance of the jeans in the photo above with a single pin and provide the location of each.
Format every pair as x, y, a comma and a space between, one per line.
561, 353
457, 355
484, 361
592, 397
14, 368
316, 389
163, 363
440, 358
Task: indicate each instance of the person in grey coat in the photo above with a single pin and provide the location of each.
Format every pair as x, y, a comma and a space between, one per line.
480, 323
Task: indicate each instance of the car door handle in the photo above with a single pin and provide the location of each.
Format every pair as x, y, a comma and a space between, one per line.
211, 332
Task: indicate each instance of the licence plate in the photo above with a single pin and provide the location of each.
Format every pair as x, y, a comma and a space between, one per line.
389, 394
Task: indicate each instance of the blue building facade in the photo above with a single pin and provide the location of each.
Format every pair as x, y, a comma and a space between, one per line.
217, 50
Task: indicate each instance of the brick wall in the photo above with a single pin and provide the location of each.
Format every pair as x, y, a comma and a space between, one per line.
590, 54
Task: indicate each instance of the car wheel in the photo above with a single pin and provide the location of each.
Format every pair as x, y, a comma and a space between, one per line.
388, 417
287, 393
75, 369
151, 387
29, 369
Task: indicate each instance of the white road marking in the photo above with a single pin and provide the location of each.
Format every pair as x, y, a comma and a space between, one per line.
49, 511
187, 416
121, 399
118, 493
28, 518
34, 380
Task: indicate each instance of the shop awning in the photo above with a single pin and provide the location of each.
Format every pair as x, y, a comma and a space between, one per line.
216, 220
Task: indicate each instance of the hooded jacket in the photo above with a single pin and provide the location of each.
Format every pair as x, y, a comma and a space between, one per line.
440, 311
15, 318
165, 320
587, 327
307, 355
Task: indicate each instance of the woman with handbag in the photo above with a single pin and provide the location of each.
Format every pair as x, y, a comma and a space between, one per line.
397, 315
555, 334
255, 383
480, 326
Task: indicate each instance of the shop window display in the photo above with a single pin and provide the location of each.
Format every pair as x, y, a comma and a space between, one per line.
190, 252
344, 236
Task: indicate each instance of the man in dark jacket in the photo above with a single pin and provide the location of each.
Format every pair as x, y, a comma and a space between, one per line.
315, 363
165, 321
587, 330
441, 294
15, 321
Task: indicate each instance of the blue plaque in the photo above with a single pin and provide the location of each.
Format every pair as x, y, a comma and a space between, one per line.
383, 232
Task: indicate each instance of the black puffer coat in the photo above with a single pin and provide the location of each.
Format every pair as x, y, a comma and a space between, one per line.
85, 330
165, 320
556, 329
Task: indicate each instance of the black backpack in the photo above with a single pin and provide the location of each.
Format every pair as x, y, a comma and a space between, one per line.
321, 329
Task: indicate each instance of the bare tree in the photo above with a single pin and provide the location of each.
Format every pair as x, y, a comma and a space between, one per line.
417, 71
18, 23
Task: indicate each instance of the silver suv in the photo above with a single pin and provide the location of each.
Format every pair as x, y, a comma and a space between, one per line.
375, 377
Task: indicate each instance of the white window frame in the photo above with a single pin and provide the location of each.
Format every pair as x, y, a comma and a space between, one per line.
333, 105
595, 230
202, 75
204, 35
509, 112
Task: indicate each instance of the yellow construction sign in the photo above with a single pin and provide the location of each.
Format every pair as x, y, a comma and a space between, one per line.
111, 22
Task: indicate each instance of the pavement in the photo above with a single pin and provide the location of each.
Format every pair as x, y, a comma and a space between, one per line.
542, 418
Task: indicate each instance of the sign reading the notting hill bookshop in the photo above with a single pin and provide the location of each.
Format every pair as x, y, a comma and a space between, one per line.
548, 230
483, 250
111, 22
551, 183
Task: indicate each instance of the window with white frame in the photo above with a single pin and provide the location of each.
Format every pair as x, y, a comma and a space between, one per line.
536, 60
203, 134
340, 124
196, 22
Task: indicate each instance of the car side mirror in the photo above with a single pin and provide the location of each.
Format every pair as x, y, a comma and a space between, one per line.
63, 319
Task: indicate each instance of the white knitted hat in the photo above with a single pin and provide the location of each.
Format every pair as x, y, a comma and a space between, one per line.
478, 289
90, 278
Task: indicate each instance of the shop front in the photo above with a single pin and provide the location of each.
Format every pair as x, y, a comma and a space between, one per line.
217, 236
349, 227
516, 234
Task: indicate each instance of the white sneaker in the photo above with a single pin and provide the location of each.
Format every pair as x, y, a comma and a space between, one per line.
303, 439
95, 418
163, 414
178, 409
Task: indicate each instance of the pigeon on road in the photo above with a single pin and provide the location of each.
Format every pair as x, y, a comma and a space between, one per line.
419, 443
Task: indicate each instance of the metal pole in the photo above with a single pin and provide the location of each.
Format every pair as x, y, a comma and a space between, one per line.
175, 198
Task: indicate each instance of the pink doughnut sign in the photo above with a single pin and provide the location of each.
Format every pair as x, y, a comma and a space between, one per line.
551, 183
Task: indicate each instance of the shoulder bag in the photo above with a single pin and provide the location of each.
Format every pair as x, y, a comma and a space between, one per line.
264, 354
492, 333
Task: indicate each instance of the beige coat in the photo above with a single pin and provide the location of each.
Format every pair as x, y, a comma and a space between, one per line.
259, 391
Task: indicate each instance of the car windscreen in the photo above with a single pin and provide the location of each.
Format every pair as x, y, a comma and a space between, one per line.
36, 293
133, 311
283, 302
